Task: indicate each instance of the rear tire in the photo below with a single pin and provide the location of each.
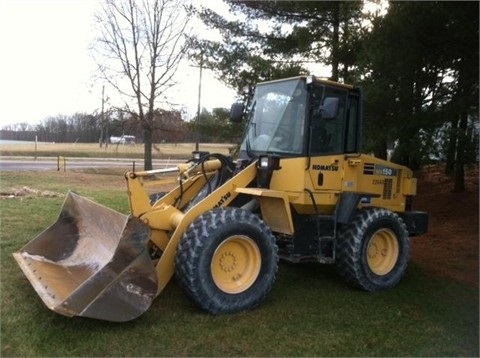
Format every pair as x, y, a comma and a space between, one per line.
373, 250
227, 260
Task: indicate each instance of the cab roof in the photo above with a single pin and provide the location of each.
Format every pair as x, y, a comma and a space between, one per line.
314, 79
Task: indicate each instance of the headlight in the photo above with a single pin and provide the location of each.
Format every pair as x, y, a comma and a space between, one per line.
271, 162
263, 162
266, 165
196, 155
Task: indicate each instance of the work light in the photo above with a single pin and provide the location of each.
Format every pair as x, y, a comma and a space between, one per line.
266, 164
196, 155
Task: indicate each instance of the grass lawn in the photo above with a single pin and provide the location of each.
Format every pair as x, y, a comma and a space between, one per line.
310, 311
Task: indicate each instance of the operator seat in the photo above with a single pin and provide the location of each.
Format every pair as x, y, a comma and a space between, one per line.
320, 140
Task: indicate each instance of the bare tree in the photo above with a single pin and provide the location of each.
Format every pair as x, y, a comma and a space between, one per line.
140, 46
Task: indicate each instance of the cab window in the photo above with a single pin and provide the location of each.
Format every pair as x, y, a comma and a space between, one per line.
327, 121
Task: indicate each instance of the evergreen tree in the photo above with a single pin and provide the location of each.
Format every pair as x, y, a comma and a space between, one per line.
273, 39
415, 64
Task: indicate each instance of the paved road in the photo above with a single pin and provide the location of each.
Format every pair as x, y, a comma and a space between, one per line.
46, 163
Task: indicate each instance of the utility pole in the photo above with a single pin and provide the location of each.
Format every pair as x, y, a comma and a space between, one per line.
102, 119
199, 99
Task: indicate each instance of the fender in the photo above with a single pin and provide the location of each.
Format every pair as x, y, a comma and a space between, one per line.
275, 208
347, 205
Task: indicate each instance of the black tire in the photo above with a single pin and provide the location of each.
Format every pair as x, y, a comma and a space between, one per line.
373, 250
155, 197
227, 260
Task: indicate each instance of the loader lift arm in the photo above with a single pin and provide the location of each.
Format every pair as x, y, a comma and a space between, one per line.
167, 220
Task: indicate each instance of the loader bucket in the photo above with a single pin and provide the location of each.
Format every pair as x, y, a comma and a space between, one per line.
92, 262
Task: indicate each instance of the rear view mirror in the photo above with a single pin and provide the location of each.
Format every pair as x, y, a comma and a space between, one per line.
329, 108
236, 112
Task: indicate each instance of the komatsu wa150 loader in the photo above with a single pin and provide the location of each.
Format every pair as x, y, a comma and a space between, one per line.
300, 190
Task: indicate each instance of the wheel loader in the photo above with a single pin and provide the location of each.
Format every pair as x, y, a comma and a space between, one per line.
299, 190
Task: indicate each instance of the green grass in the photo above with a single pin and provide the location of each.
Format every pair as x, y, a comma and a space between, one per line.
310, 311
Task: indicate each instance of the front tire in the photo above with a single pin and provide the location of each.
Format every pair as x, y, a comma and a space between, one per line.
227, 260
373, 250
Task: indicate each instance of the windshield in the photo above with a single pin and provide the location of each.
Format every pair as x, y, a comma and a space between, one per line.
276, 121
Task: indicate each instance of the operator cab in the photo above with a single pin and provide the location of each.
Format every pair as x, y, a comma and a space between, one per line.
301, 116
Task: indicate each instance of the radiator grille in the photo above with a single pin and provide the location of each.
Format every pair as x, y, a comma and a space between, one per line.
387, 189
399, 181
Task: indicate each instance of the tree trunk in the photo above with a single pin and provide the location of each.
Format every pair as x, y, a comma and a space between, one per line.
335, 41
148, 134
460, 162
451, 148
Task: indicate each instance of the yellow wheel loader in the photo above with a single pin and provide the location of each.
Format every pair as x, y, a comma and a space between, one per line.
300, 190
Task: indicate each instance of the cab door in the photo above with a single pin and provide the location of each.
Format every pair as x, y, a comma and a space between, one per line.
327, 128
334, 131
326, 172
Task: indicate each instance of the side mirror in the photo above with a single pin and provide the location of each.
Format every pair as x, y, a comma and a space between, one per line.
236, 112
329, 108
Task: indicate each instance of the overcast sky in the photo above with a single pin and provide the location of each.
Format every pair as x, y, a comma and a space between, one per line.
46, 70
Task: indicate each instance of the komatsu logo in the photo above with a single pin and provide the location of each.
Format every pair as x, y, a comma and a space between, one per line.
327, 168
223, 200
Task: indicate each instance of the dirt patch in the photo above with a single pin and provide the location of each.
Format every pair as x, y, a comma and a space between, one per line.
451, 246
26, 192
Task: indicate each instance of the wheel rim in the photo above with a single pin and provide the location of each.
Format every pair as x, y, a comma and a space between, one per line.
382, 252
236, 264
